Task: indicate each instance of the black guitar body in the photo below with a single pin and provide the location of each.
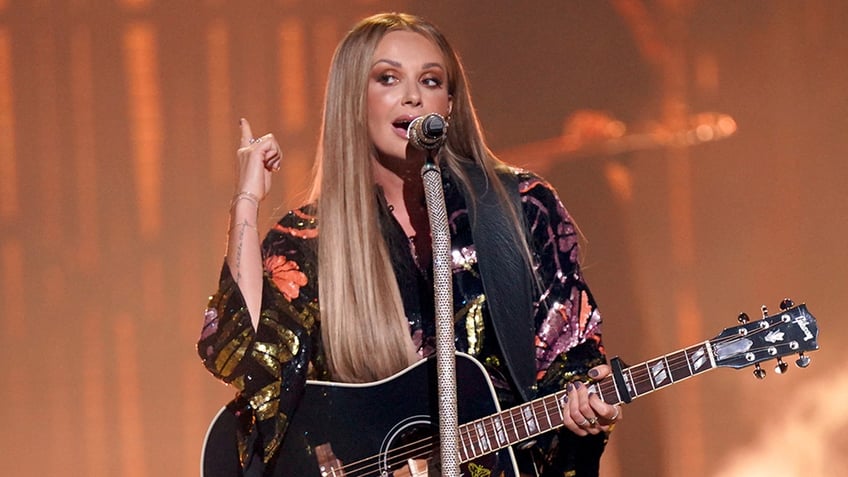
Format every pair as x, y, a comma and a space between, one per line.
373, 428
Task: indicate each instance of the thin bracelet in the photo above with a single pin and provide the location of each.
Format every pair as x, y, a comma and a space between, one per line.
245, 195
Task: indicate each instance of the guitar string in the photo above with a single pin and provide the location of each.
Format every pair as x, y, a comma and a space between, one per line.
641, 372
422, 447
392, 457
552, 411
674, 362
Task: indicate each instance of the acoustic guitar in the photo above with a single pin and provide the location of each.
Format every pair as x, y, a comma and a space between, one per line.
388, 428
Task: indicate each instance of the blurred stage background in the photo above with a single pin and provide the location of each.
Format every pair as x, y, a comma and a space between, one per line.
117, 135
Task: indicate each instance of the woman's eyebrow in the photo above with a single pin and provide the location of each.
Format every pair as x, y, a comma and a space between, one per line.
397, 64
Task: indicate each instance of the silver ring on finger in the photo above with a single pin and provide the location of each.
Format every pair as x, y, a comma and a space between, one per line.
253, 140
615, 416
585, 423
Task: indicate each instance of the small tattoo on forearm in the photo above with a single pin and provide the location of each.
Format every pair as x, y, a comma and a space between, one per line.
242, 226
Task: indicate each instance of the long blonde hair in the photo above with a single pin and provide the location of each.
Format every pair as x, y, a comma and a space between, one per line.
364, 329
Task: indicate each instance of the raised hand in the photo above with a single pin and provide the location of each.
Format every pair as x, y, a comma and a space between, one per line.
257, 159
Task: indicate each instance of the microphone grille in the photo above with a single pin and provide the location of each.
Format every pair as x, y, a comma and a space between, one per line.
427, 132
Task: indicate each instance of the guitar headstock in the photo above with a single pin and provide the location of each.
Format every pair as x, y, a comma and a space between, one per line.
792, 331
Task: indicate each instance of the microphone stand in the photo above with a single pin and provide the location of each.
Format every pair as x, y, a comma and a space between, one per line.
443, 298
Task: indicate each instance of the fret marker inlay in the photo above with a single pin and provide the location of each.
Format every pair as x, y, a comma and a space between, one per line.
484, 439
529, 419
628, 378
499, 431
659, 373
699, 358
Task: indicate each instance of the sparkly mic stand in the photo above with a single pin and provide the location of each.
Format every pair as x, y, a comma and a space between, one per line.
428, 133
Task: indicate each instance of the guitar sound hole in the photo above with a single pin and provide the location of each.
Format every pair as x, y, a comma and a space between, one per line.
417, 439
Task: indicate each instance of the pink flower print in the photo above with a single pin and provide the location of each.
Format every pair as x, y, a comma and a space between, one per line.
286, 275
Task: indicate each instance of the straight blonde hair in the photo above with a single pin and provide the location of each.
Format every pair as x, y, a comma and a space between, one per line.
363, 325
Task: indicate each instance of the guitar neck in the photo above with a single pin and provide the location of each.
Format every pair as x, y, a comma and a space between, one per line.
544, 414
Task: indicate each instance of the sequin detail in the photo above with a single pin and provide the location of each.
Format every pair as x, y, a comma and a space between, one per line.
474, 327
464, 259
210, 323
232, 353
264, 402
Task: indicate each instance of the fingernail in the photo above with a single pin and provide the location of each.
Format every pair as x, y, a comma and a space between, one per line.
593, 373
569, 388
241, 121
578, 385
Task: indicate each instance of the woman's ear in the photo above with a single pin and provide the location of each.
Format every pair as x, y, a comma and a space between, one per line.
450, 104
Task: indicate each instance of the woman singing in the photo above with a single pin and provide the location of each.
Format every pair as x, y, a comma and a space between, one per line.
341, 289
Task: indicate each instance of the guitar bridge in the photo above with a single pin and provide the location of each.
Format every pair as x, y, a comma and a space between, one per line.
328, 463
414, 468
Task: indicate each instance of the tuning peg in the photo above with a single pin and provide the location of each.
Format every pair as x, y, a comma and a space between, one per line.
743, 318
759, 372
765, 311
781, 367
786, 304
802, 361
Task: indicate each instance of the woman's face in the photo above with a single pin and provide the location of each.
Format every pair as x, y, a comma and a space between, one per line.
408, 79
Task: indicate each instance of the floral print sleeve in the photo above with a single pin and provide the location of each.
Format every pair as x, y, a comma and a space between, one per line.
268, 366
566, 314
567, 320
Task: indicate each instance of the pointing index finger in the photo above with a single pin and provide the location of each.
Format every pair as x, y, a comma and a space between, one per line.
246, 133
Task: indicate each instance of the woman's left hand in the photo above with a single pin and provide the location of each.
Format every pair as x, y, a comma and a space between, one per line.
585, 413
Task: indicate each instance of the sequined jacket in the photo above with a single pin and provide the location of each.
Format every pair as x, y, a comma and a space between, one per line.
269, 366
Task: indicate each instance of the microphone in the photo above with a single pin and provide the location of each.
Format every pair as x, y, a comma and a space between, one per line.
427, 132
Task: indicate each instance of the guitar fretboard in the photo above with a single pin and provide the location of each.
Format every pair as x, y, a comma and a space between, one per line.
491, 433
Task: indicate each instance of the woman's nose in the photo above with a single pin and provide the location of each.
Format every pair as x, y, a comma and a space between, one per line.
411, 95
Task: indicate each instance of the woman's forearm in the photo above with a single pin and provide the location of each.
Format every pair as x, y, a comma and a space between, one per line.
244, 255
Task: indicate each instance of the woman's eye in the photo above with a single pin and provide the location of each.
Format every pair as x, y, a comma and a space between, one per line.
432, 82
387, 78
